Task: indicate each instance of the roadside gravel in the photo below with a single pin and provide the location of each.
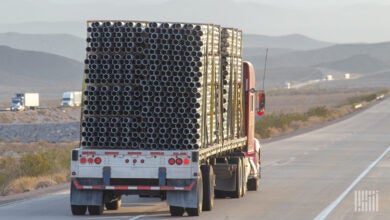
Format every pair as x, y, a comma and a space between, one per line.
52, 132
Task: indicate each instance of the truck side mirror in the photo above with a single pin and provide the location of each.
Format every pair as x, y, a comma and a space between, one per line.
261, 103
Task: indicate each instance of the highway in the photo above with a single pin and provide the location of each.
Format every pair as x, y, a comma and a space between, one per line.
314, 175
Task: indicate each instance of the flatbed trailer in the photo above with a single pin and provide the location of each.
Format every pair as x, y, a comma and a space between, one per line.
119, 157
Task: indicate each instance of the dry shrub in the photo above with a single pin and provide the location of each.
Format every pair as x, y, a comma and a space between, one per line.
26, 166
44, 182
274, 131
61, 177
296, 125
25, 184
342, 111
314, 120
21, 184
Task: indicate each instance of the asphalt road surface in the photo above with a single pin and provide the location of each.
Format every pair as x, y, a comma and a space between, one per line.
316, 175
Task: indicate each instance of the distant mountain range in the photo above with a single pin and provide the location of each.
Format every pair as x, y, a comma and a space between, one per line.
74, 28
380, 51
310, 64
255, 45
74, 47
31, 71
52, 63
361, 63
61, 44
290, 42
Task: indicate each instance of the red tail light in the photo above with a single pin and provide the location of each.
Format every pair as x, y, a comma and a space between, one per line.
83, 160
90, 160
186, 161
171, 161
179, 161
98, 160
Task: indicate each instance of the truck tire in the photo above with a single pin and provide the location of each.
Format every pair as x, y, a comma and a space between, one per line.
176, 211
237, 193
95, 209
198, 210
115, 205
208, 187
78, 209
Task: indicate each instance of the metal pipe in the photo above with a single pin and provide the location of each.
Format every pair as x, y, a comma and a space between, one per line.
150, 130
125, 130
105, 108
135, 145
145, 109
158, 99
114, 139
125, 140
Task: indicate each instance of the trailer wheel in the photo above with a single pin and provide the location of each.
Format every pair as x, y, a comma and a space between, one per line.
176, 211
115, 205
208, 187
78, 209
95, 209
198, 210
238, 192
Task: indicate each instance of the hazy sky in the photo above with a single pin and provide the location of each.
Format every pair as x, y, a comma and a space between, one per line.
315, 3
328, 20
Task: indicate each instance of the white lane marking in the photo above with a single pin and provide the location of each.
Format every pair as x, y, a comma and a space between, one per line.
333, 205
63, 192
136, 217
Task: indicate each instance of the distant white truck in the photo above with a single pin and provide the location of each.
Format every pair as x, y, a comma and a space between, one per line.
24, 101
71, 99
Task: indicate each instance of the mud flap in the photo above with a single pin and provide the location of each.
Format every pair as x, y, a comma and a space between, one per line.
225, 180
86, 197
186, 199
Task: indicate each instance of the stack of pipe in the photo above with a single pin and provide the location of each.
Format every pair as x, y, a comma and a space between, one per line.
231, 56
153, 85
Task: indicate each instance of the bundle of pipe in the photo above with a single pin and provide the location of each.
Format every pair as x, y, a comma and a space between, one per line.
231, 56
150, 85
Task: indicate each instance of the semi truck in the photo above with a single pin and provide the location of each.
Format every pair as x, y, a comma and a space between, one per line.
71, 99
24, 101
168, 110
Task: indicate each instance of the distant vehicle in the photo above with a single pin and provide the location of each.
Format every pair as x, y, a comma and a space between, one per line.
380, 97
71, 99
24, 101
329, 77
